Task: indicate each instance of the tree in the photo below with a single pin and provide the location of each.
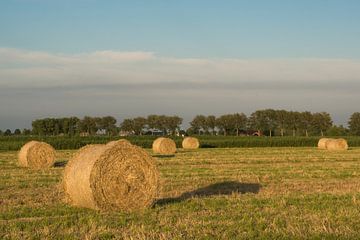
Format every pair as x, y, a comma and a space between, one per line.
138, 125
225, 123
127, 125
199, 123
337, 131
211, 123
89, 125
7, 132
293, 121
259, 121
321, 122
173, 123
1, 133
17, 132
306, 119
26, 131
108, 123
271, 119
281, 116
238, 120
354, 123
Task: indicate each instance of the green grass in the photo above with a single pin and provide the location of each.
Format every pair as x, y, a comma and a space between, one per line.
233, 193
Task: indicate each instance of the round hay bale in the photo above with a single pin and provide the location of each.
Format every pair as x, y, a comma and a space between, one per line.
336, 144
117, 176
165, 146
36, 155
190, 143
111, 143
322, 143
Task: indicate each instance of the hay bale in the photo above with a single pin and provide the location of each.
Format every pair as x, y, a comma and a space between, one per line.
117, 176
118, 141
36, 155
322, 143
164, 146
190, 143
336, 144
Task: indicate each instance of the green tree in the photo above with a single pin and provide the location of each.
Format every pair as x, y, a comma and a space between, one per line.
199, 123
127, 125
354, 123
17, 132
108, 123
26, 131
337, 131
321, 122
139, 124
7, 132
173, 124
281, 117
306, 119
259, 121
238, 121
225, 123
211, 123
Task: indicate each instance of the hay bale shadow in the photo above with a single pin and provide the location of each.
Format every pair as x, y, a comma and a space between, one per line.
60, 164
223, 188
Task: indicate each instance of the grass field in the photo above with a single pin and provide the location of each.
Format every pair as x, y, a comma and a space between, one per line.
236, 193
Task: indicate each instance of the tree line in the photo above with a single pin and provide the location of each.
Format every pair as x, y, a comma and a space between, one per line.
267, 122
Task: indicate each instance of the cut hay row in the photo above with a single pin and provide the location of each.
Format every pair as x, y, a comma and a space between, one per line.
115, 176
36, 155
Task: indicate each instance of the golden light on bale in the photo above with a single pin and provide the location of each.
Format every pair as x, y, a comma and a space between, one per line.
36, 155
165, 146
118, 141
190, 143
336, 144
322, 143
116, 176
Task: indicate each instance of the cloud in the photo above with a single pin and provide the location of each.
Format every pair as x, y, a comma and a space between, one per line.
37, 84
32, 69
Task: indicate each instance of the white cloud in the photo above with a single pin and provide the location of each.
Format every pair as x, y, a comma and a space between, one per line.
28, 69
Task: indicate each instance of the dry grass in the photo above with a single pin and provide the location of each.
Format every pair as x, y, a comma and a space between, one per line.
208, 194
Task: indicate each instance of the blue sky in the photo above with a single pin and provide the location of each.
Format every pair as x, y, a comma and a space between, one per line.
235, 29
133, 58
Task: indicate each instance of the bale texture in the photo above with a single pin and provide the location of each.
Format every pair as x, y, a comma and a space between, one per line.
36, 155
117, 176
190, 143
322, 143
164, 146
118, 141
336, 144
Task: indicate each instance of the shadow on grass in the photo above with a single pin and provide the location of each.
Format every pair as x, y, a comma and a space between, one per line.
223, 188
163, 156
60, 164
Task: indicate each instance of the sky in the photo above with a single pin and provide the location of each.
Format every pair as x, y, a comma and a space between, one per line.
134, 58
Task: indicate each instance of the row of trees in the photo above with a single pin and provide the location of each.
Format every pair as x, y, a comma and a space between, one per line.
265, 121
268, 121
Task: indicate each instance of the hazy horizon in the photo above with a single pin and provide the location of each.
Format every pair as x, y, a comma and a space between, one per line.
136, 58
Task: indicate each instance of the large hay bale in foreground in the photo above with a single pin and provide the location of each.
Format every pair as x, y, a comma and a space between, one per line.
36, 155
322, 143
336, 144
164, 146
118, 141
190, 143
117, 176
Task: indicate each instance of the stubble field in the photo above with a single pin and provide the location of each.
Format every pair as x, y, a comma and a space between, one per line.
225, 193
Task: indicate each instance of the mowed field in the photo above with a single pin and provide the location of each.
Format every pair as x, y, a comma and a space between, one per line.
235, 193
